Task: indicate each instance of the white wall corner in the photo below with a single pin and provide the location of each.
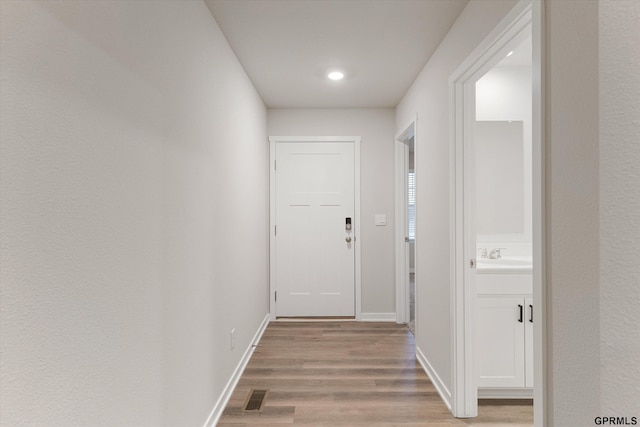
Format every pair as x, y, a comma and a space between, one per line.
378, 317
218, 408
443, 391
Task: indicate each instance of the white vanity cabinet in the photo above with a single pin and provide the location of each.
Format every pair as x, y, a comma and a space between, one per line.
504, 333
505, 336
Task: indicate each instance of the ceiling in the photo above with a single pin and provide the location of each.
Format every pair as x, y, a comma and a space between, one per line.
287, 47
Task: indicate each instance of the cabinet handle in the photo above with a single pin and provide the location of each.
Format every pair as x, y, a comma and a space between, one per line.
530, 313
521, 309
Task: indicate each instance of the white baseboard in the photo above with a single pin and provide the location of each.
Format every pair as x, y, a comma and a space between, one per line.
505, 393
443, 391
377, 317
218, 408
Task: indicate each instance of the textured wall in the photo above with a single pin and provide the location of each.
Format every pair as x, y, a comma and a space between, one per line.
572, 211
376, 174
620, 207
125, 219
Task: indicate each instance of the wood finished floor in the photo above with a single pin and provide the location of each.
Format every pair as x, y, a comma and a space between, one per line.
348, 374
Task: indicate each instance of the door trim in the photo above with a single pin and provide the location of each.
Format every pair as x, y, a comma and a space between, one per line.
464, 383
273, 140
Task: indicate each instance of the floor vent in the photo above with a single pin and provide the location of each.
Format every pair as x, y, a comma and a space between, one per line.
255, 400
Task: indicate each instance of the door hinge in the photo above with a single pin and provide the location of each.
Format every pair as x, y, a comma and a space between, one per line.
275, 230
274, 165
275, 296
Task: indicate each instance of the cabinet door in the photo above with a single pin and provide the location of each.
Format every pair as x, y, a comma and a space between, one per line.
500, 342
528, 342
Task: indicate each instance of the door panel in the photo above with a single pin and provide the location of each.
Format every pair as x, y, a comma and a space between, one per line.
315, 266
500, 342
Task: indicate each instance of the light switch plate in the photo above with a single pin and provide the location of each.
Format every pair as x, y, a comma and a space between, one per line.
381, 219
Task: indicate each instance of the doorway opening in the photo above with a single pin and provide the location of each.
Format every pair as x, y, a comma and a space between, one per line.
497, 253
502, 224
411, 233
406, 273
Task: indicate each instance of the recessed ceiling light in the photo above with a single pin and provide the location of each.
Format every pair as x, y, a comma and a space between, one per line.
510, 53
335, 75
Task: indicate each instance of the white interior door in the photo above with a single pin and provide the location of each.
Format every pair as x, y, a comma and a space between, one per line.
314, 245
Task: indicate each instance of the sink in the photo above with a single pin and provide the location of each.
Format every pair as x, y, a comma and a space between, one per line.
506, 261
519, 262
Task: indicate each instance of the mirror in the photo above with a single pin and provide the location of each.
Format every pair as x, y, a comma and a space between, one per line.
499, 177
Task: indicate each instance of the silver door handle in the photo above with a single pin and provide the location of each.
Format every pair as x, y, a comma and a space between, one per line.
348, 239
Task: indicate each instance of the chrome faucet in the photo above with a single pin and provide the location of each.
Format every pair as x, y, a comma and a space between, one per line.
495, 253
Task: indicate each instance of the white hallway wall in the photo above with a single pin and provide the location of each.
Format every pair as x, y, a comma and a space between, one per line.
429, 98
592, 201
376, 127
134, 190
593, 209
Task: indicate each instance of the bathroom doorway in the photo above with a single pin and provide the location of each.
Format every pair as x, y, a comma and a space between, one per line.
497, 218
502, 167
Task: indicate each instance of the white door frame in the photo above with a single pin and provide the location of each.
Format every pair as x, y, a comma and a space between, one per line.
527, 13
273, 140
402, 255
